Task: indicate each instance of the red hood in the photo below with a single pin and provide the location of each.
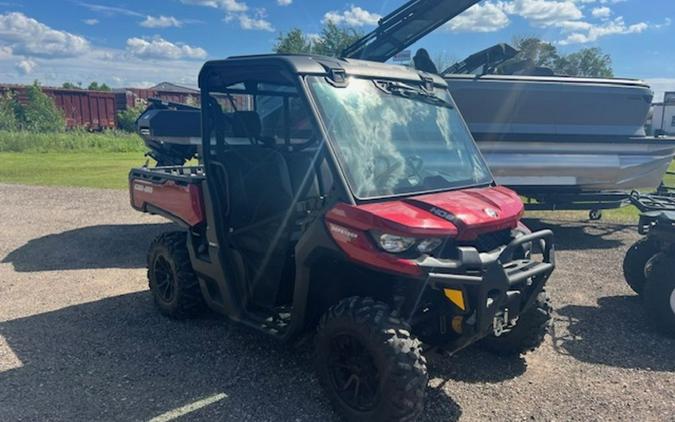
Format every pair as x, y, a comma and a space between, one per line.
463, 213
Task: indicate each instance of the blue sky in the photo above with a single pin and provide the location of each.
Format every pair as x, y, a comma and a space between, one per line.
138, 43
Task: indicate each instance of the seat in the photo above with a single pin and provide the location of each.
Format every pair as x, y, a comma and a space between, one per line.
260, 215
247, 125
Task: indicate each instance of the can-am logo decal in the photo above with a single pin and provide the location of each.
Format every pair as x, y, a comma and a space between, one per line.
142, 188
491, 212
443, 214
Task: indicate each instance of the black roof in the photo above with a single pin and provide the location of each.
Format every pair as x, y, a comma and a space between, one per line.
308, 64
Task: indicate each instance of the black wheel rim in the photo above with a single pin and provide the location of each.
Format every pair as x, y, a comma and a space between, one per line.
164, 280
353, 372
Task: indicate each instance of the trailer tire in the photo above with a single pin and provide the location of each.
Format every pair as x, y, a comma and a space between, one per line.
174, 286
365, 337
529, 332
659, 292
635, 261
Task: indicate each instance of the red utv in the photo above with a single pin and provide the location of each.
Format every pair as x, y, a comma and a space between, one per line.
347, 199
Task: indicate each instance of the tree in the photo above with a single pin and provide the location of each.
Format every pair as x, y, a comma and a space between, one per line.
126, 119
70, 85
8, 112
541, 53
333, 39
39, 113
94, 86
293, 42
330, 42
591, 62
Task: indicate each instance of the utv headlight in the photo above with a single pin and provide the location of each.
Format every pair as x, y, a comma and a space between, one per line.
394, 243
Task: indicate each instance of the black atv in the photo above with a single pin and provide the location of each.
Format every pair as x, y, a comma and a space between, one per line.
649, 265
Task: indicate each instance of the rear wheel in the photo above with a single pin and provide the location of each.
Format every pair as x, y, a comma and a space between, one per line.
659, 292
529, 332
369, 364
636, 259
173, 284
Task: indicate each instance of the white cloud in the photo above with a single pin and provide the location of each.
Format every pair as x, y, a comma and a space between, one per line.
109, 10
238, 11
565, 15
6, 53
257, 23
544, 13
284, 2
90, 22
354, 16
666, 23
232, 6
161, 22
159, 48
601, 12
26, 66
595, 32
28, 37
486, 17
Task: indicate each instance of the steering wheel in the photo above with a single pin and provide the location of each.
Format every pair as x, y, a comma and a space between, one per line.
415, 165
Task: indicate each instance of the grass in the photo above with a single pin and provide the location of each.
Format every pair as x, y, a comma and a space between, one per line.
73, 158
71, 141
85, 169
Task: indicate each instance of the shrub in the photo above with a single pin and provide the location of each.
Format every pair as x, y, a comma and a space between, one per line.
39, 114
8, 112
126, 119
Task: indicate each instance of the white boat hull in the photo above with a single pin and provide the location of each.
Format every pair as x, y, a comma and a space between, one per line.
581, 166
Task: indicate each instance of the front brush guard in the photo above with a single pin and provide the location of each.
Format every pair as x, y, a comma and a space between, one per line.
495, 278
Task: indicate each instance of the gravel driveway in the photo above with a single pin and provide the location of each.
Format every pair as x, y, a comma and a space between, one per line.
81, 341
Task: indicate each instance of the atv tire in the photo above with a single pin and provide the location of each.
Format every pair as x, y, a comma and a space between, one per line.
659, 292
635, 261
529, 332
362, 346
174, 286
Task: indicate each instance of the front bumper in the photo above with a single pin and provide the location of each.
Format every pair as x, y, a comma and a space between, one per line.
493, 283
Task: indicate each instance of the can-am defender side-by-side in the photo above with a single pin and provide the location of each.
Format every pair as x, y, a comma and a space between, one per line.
649, 264
347, 199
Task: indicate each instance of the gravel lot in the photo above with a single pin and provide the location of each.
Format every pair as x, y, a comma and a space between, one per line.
80, 340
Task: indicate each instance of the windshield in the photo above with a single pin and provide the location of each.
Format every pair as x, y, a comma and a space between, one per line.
392, 143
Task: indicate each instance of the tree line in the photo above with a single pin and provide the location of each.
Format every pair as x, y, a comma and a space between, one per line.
93, 86
587, 62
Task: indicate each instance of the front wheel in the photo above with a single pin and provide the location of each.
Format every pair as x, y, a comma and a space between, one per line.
659, 292
529, 332
369, 364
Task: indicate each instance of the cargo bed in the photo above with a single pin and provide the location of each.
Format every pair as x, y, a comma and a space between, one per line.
174, 192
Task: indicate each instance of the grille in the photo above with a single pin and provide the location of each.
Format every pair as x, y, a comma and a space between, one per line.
483, 243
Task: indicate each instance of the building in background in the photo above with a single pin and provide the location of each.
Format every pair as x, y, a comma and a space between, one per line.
663, 116
134, 97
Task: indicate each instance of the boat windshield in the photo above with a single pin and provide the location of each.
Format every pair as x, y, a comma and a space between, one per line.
396, 139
